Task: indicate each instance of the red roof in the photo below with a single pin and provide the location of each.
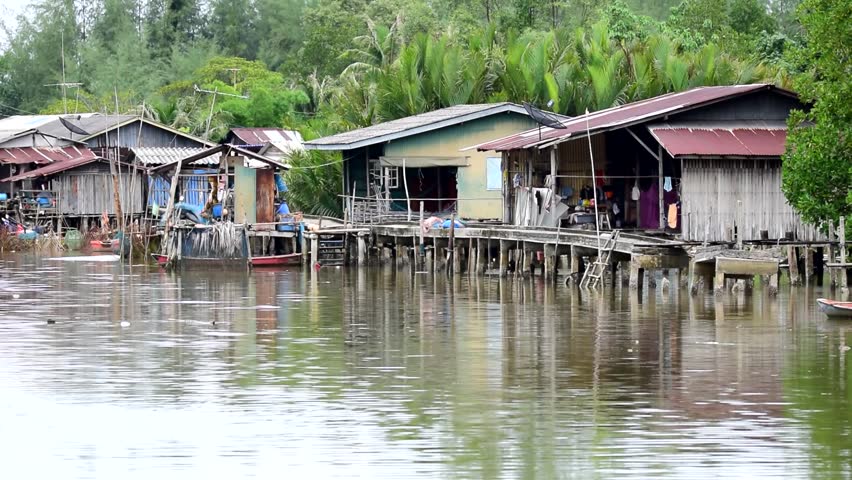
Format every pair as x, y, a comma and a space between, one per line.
52, 169
623, 116
721, 142
40, 155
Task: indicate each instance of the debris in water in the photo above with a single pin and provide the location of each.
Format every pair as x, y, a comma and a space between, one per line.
51, 322
125, 323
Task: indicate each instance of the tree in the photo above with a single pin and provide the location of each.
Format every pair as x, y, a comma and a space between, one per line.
817, 166
232, 23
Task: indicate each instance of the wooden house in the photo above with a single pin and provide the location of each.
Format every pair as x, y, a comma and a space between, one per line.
704, 163
60, 151
84, 187
401, 162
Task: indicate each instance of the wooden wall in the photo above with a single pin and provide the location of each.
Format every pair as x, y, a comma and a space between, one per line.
709, 195
88, 191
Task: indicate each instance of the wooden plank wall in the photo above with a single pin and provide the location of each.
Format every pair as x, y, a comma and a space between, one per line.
92, 194
573, 159
709, 194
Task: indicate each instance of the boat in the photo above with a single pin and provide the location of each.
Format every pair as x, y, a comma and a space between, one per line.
834, 308
102, 245
163, 260
277, 260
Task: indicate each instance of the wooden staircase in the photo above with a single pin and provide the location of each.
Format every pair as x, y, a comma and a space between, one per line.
332, 250
592, 276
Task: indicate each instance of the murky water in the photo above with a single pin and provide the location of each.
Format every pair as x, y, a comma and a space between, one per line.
208, 374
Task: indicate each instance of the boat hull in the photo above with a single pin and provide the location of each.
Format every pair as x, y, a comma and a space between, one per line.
834, 308
291, 259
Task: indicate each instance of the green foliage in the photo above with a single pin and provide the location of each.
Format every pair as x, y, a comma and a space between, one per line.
817, 176
313, 183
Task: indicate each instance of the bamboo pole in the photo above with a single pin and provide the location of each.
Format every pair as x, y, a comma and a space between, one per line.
451, 247
407, 198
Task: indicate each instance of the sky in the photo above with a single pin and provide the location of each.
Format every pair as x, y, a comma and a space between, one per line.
9, 11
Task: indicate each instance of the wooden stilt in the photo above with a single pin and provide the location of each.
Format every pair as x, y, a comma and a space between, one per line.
793, 261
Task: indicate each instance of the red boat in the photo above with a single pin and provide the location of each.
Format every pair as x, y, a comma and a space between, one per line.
277, 260
833, 308
102, 246
161, 259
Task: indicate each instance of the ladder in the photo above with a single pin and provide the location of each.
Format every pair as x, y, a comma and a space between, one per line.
592, 275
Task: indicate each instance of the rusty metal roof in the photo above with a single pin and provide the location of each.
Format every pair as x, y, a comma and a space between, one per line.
721, 141
52, 169
42, 155
622, 116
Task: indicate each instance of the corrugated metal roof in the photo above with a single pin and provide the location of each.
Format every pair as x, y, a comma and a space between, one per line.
622, 116
412, 125
10, 126
721, 141
41, 155
261, 136
51, 169
91, 123
150, 156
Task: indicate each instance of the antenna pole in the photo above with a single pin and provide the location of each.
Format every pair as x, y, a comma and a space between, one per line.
594, 186
62, 54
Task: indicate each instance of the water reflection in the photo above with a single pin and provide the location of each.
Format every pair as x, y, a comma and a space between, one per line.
387, 374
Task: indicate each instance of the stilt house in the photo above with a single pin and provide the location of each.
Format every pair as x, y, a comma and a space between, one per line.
702, 163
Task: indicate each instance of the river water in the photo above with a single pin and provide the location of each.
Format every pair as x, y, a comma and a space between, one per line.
110, 372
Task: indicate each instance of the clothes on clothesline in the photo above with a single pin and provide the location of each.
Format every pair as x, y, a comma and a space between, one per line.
672, 217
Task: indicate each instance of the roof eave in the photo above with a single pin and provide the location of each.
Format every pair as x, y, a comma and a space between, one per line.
497, 109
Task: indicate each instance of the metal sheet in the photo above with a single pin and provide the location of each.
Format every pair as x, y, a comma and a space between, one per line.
245, 193
265, 204
49, 155
719, 142
624, 115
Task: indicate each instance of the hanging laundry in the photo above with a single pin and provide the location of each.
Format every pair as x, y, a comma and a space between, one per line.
667, 184
673, 215
517, 180
634, 194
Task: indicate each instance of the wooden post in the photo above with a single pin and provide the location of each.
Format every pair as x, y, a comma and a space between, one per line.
842, 237
457, 257
719, 282
421, 252
451, 246
808, 255
305, 252
575, 264
660, 186
470, 259
314, 251
636, 275
553, 180
529, 255
504, 258
793, 262
362, 250
430, 261
548, 262
739, 224
832, 276
773, 284
481, 256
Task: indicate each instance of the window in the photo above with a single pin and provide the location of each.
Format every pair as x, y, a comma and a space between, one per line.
493, 174
392, 176
380, 175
